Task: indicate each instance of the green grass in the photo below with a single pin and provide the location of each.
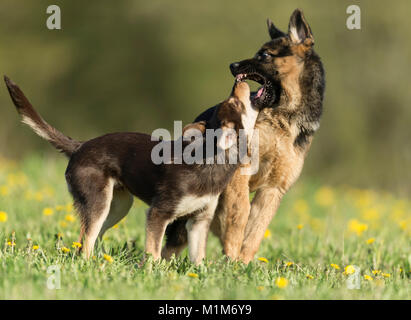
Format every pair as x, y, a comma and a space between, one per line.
316, 226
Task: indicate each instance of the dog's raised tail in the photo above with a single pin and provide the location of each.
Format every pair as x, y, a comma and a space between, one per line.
30, 117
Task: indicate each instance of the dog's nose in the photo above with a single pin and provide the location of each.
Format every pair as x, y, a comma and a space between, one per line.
233, 67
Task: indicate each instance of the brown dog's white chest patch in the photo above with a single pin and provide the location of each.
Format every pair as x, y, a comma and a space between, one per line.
192, 203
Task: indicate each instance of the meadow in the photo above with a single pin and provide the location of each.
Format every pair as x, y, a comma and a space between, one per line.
326, 242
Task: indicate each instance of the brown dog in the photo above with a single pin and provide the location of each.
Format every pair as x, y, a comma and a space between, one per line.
103, 174
291, 97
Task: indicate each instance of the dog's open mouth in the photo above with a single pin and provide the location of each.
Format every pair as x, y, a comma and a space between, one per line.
264, 94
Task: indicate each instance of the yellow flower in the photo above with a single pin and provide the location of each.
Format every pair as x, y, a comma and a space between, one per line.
386, 275
325, 197
308, 276
48, 211
11, 243
65, 250
262, 259
281, 282
115, 226
36, 247
3, 216
374, 272
76, 245
349, 269
267, 234
367, 277
70, 218
289, 264
59, 235
370, 241
108, 258
300, 226
335, 266
192, 275
357, 227
260, 288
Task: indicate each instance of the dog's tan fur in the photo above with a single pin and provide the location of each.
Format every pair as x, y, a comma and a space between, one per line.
239, 227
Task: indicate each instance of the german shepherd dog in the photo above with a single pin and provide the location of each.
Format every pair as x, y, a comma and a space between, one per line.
103, 173
291, 97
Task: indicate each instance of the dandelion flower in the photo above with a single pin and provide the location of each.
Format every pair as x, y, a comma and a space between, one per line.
192, 275
370, 241
309, 276
289, 264
375, 272
3, 216
11, 243
300, 226
65, 250
262, 259
349, 269
367, 277
115, 226
76, 245
281, 282
335, 266
108, 258
48, 211
70, 218
357, 227
267, 234
386, 275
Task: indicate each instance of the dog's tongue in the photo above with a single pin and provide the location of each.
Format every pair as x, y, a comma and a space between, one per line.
259, 92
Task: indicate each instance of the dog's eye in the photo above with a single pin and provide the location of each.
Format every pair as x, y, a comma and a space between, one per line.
263, 56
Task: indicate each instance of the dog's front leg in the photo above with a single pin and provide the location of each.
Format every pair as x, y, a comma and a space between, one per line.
156, 224
263, 208
233, 210
197, 231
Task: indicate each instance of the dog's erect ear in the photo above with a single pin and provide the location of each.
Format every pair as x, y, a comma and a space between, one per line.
273, 31
188, 130
298, 29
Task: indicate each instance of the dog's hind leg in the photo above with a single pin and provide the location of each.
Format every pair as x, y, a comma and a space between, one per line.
92, 192
176, 238
120, 206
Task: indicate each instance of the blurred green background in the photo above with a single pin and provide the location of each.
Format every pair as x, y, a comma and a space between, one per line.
133, 65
